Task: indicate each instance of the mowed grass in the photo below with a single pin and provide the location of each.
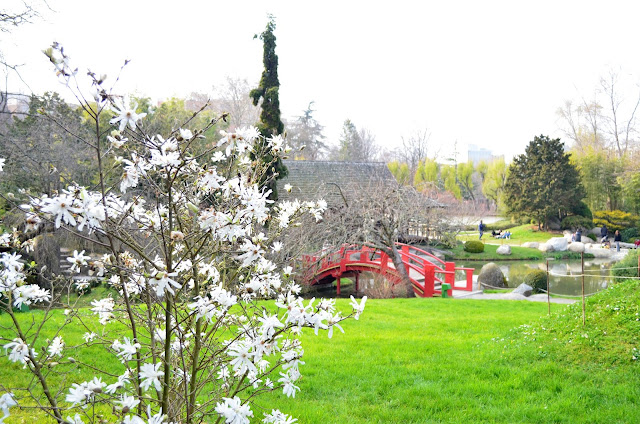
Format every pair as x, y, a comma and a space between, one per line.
450, 361
519, 235
445, 361
517, 253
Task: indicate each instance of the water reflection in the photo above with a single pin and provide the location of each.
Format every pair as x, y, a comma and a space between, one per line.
565, 276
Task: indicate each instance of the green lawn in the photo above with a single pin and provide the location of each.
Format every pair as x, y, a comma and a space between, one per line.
475, 361
519, 235
517, 253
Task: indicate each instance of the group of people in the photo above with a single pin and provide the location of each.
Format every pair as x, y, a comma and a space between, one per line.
500, 235
604, 237
496, 234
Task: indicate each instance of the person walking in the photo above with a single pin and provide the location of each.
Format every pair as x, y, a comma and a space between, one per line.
481, 229
603, 233
617, 238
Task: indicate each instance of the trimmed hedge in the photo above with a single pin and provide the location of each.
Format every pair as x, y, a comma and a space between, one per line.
537, 279
474, 246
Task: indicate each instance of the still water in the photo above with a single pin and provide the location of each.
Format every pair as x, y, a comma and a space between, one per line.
565, 276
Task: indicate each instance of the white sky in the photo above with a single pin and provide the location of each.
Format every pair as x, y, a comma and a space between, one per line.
486, 73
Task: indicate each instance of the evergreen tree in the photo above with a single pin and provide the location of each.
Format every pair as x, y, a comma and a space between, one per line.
306, 132
542, 182
270, 123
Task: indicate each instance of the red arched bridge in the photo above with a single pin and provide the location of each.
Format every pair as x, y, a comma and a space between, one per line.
426, 271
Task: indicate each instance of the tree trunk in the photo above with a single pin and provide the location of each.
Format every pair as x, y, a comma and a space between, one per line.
406, 289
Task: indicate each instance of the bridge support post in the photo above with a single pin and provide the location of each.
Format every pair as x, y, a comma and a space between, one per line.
357, 282
338, 288
450, 278
429, 279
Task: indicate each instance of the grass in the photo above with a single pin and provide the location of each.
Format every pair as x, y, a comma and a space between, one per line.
517, 253
450, 361
519, 235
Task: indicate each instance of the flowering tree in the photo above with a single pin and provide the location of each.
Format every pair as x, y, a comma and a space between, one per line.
187, 241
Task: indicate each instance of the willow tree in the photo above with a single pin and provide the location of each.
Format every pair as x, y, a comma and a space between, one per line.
270, 124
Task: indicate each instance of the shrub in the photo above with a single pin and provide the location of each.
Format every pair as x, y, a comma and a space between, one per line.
537, 279
629, 235
474, 246
574, 222
581, 209
615, 220
591, 236
627, 267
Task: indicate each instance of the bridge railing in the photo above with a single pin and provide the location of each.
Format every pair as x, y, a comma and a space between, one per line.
431, 270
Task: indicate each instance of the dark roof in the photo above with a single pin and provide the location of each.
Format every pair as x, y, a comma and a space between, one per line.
331, 180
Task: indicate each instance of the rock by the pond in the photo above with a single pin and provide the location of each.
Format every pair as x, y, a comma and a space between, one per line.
504, 249
491, 275
559, 244
523, 289
545, 247
531, 244
576, 246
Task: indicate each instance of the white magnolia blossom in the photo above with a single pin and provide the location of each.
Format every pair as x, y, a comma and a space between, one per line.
56, 346
150, 375
191, 248
7, 400
126, 113
19, 351
78, 260
234, 411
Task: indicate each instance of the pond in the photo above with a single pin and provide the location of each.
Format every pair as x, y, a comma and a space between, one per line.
565, 276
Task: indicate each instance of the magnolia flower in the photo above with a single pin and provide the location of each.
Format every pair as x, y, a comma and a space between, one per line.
150, 375
288, 187
127, 349
233, 411
6, 401
287, 380
277, 417
19, 351
185, 134
126, 114
63, 208
56, 346
128, 403
358, 307
78, 260
77, 419
277, 246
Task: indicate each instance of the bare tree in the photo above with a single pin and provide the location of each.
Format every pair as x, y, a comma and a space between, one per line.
377, 216
414, 149
621, 129
234, 99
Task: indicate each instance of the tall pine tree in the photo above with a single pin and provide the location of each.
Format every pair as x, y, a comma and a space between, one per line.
270, 123
542, 183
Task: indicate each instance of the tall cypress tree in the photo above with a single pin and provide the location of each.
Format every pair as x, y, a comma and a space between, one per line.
270, 123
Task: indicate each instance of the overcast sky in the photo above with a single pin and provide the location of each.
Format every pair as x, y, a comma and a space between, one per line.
486, 73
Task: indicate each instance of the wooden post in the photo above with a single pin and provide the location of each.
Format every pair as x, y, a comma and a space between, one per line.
548, 294
357, 282
338, 288
584, 317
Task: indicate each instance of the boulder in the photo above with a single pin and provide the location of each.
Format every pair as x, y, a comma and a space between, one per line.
531, 244
576, 246
491, 275
544, 247
559, 244
504, 249
523, 289
599, 252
